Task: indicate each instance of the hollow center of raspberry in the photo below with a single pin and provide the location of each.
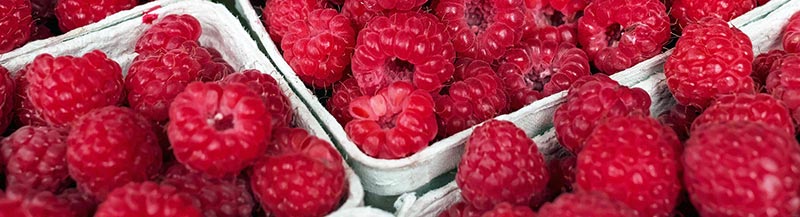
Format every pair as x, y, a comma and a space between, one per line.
557, 18
387, 122
539, 76
478, 16
221, 122
399, 70
614, 34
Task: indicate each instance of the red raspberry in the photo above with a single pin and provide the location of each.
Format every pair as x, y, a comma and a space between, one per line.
35, 158
553, 20
590, 101
762, 66
782, 83
515, 173
392, 5
21, 202
397, 122
618, 34
791, 34
508, 210
172, 29
280, 15
216, 68
585, 204
760, 108
743, 169
687, 12
266, 86
109, 147
233, 121
64, 88
7, 97
16, 22
80, 203
339, 103
475, 96
711, 58
385, 54
304, 177
481, 29
762, 2
73, 14
24, 112
562, 177
217, 197
359, 14
680, 119
319, 48
40, 31
461, 209
637, 154
147, 199
539, 69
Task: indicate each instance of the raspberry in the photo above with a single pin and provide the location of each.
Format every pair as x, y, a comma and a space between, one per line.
461, 209
711, 58
35, 158
476, 95
147, 199
304, 177
264, 85
392, 5
343, 94
79, 202
760, 108
109, 147
319, 48
7, 97
233, 121
16, 22
590, 101
562, 177
172, 29
385, 54
359, 14
64, 88
637, 154
585, 204
791, 34
280, 15
539, 69
553, 20
73, 14
687, 12
762, 66
508, 210
482, 29
25, 113
217, 197
21, 202
215, 68
743, 169
40, 31
517, 170
618, 34
782, 83
397, 122
680, 119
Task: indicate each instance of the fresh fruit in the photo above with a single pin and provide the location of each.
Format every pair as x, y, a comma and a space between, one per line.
303, 177
555, 20
339, 103
617, 34
392, 5
637, 154
216, 68
711, 58
500, 164
386, 53
743, 169
218, 129
147, 199
396, 122
791, 34
267, 87
80, 203
688, 12
170, 31
476, 95
35, 158
508, 210
73, 14
680, 119
16, 22
461, 209
280, 15
109, 147
21, 202
482, 30
760, 108
561, 167
782, 83
585, 204
359, 14
319, 48
217, 197
762, 66
24, 112
7, 97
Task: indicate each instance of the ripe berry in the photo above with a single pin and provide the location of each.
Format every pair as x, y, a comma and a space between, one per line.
22, 202
482, 30
791, 34
319, 48
782, 83
743, 169
618, 34
218, 129
762, 66
555, 20
461, 209
687, 12
359, 14
711, 58
585, 204
397, 122
24, 112
267, 87
760, 108
680, 119
109, 147
35, 158
280, 15
385, 54
508, 210
475, 96
16, 22
343, 94
64, 88
147, 199
73, 14
392, 5
170, 31
217, 197
500, 164
7, 97
80, 203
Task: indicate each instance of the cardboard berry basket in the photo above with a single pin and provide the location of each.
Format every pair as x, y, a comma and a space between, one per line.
117, 34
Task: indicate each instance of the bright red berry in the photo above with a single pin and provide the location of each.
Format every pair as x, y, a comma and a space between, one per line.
680, 119
782, 83
482, 30
170, 31
319, 48
508, 210
461, 209
16, 22
585, 204
73, 14
147, 199
687, 12
217, 197
392, 5
760, 108
762, 66
791, 34
280, 15
24, 112
22, 202
359, 14
64, 88
555, 20
35, 158
396, 122
711, 58
267, 87
7, 97
476, 95
339, 103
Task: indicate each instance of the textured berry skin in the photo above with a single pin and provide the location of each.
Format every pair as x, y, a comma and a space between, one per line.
508, 210
618, 34
392, 5
461, 209
539, 69
280, 15
743, 169
637, 154
397, 122
217, 197
24, 112
359, 14
16, 23
339, 103
791, 34
267, 87
762, 66
73, 14
100, 159
172, 29
680, 119
147, 199
500, 164
233, 120
385, 53
482, 30
21, 202
80, 203
64, 88
590, 101
782, 83
562, 177
319, 48
687, 12
35, 158
7, 97
760, 108
303, 177
711, 58
555, 20
475, 96
585, 204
